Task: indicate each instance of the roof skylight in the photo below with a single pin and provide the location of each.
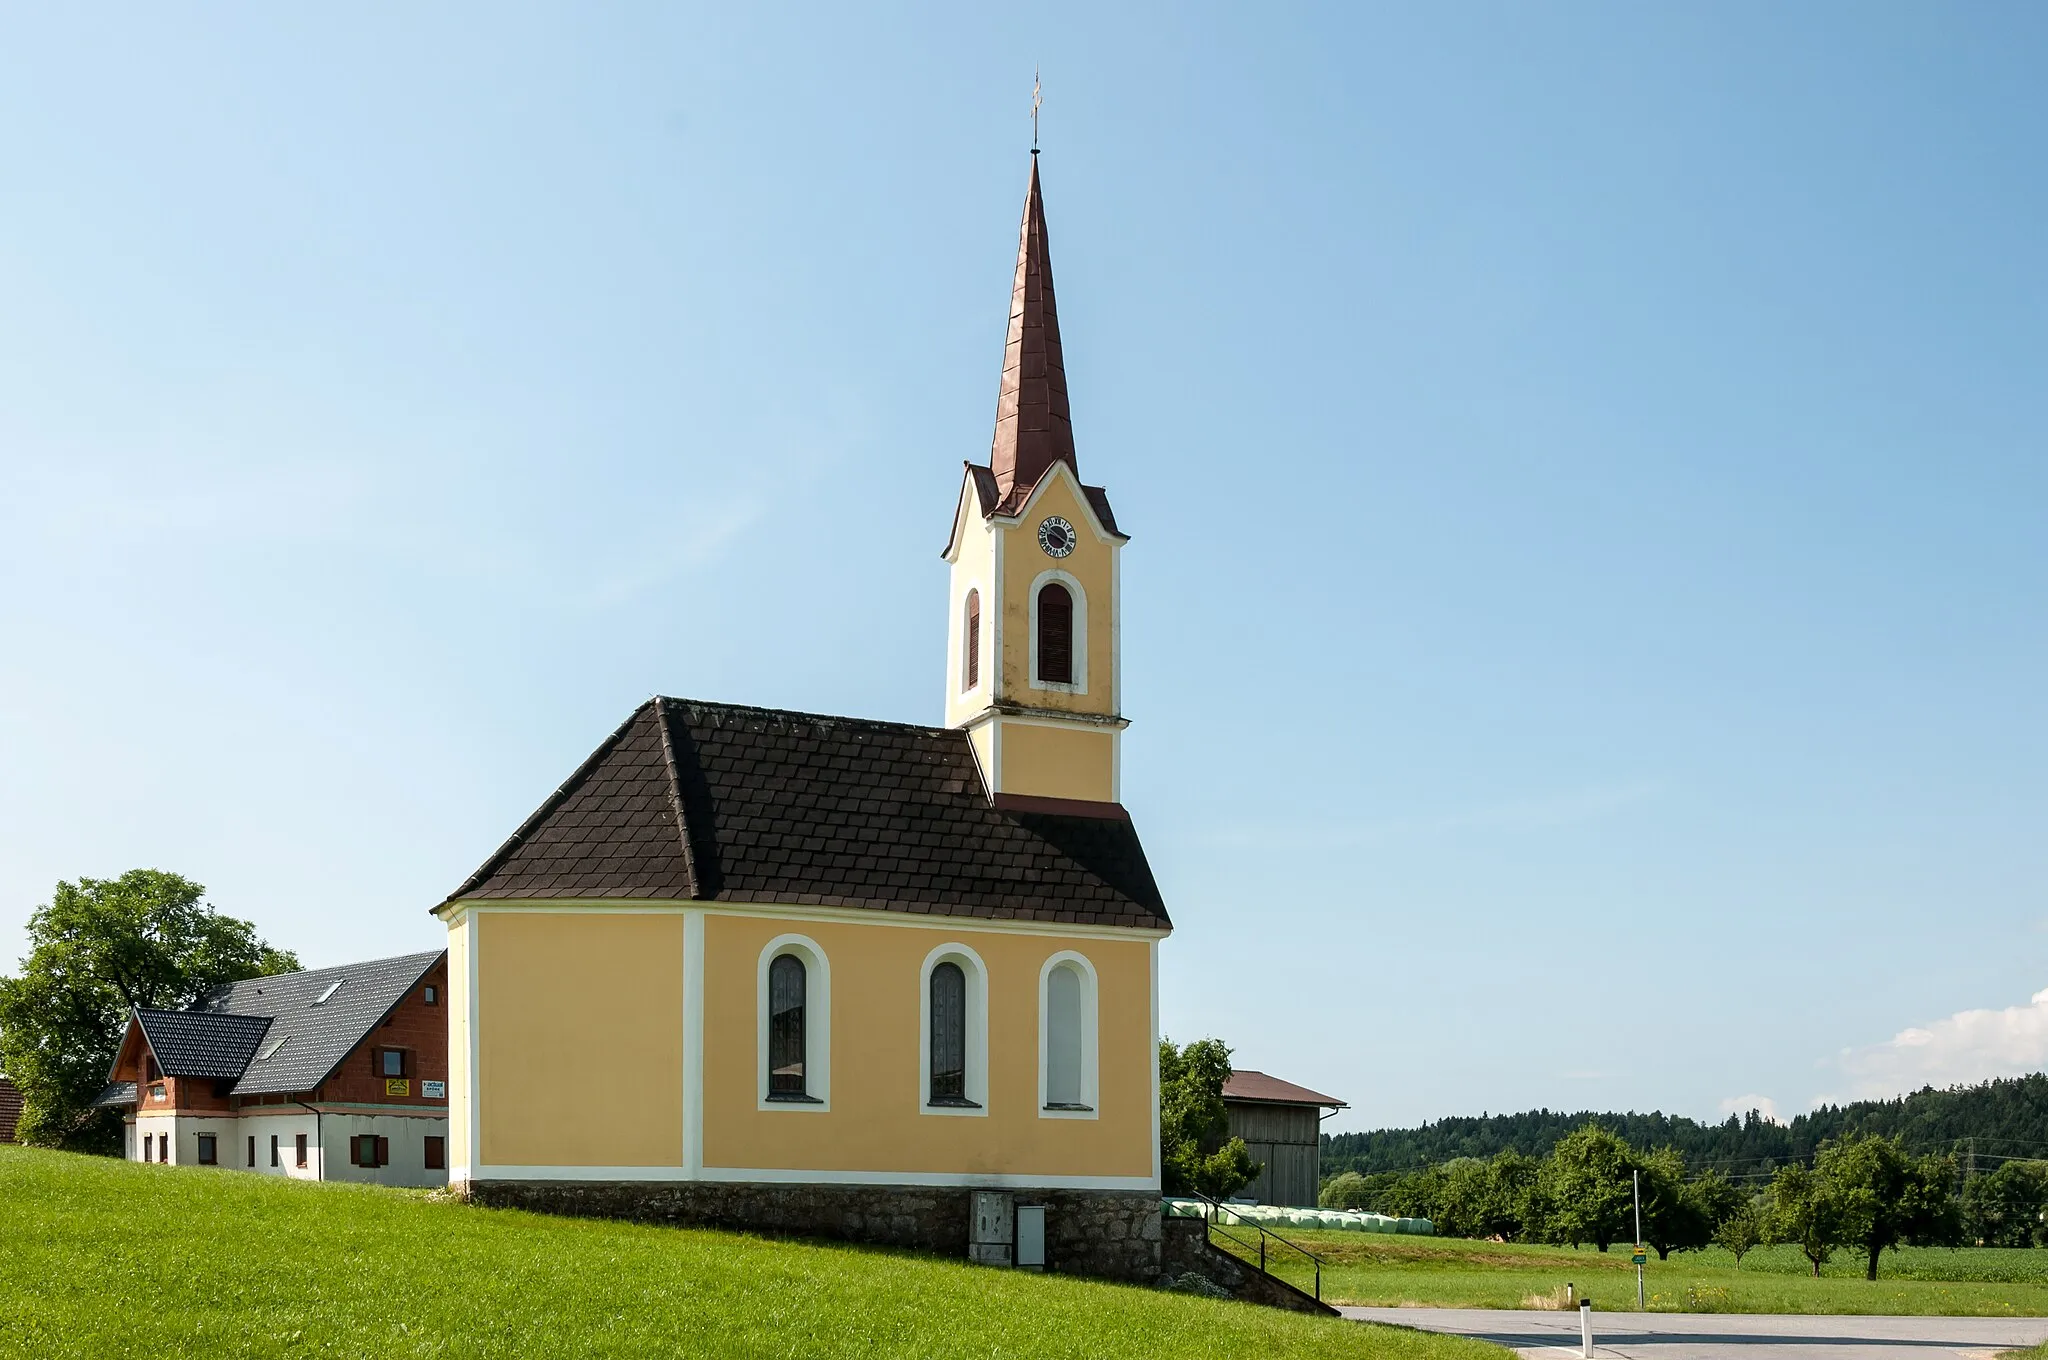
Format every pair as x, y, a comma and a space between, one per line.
270, 1049
331, 990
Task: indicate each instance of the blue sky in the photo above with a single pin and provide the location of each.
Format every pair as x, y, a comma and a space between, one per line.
1584, 619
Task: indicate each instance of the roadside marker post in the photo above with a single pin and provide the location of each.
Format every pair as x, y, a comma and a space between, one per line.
1641, 1256
1586, 1328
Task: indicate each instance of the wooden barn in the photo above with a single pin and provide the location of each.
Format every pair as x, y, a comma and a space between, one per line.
1281, 1123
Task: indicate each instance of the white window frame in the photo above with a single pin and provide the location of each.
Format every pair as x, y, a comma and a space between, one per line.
969, 640
817, 1025
1074, 588
976, 1086
1091, 1092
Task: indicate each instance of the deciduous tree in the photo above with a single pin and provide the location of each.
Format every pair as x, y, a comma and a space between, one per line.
1742, 1228
1196, 1149
2004, 1208
1805, 1213
1886, 1198
1586, 1182
99, 949
1345, 1191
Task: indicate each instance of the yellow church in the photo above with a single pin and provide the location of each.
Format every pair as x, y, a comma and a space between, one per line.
841, 977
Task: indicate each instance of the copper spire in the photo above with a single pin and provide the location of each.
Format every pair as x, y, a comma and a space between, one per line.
1034, 427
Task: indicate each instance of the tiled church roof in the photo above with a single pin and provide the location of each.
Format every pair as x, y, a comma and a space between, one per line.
717, 802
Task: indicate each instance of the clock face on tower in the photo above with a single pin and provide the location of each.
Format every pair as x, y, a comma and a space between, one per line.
1056, 536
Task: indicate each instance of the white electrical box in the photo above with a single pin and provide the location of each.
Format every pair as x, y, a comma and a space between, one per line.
1031, 1236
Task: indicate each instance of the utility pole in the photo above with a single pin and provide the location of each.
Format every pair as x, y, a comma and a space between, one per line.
1637, 1177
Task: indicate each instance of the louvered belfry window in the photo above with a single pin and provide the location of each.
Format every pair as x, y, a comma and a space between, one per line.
786, 1028
1055, 634
949, 1035
973, 667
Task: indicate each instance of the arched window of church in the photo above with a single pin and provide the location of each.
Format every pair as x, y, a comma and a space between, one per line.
949, 1035
786, 1028
1063, 1038
971, 670
1055, 634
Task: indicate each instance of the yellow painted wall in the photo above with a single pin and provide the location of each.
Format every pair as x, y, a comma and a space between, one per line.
875, 1123
973, 569
460, 1154
1090, 564
580, 1023
1059, 762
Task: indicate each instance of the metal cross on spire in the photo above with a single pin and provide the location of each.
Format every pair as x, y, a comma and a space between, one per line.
1036, 100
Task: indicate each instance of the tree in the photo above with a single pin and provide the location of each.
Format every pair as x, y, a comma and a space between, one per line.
1742, 1228
1345, 1191
99, 949
1510, 1210
1677, 1215
2004, 1208
1804, 1211
1196, 1149
1586, 1184
1887, 1198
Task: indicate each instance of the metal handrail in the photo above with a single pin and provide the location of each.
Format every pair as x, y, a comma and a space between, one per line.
1216, 1207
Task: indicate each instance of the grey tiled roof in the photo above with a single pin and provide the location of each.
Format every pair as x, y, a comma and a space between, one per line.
198, 1044
717, 802
316, 1035
117, 1093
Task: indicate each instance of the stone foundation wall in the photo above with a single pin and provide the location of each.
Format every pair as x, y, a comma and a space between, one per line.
1186, 1248
1114, 1235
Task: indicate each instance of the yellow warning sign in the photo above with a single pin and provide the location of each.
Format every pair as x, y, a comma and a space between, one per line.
397, 1086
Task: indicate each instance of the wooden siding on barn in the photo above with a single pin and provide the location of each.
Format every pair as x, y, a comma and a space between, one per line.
1286, 1142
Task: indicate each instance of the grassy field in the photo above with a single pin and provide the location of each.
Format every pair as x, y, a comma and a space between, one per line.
101, 1258
1367, 1268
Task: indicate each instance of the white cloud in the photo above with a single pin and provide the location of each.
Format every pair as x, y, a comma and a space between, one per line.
1742, 1105
1968, 1046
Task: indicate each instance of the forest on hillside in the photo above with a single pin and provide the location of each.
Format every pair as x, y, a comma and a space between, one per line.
1985, 1125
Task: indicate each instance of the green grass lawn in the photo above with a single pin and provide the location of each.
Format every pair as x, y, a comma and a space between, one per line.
1387, 1271
104, 1258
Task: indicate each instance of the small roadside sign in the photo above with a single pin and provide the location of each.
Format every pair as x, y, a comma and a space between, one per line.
1641, 1257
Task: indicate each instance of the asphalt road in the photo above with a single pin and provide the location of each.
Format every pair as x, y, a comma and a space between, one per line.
1750, 1336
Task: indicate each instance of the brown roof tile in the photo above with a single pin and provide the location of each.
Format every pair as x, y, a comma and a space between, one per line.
1247, 1085
718, 802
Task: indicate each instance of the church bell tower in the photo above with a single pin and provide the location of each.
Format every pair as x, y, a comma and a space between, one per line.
1032, 671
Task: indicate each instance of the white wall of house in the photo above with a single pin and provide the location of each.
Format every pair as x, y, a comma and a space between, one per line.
285, 1126
183, 1132
408, 1134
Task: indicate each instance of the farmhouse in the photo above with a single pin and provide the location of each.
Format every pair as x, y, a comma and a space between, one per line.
865, 979
1281, 1125
337, 1074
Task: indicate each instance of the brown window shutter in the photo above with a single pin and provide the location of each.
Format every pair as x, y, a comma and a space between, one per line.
383, 1152
1055, 634
973, 638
